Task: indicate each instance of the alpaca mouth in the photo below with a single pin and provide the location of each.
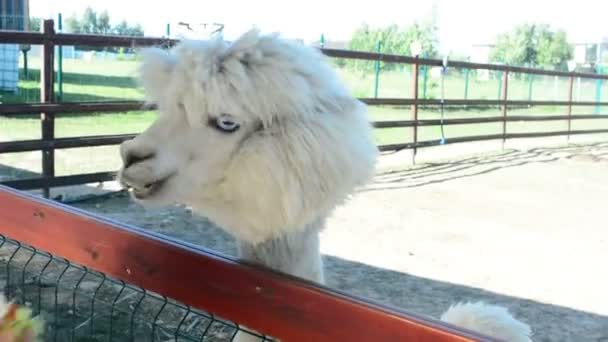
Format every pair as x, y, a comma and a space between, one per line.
149, 189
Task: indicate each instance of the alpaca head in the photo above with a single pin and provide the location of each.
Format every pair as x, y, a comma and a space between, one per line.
259, 135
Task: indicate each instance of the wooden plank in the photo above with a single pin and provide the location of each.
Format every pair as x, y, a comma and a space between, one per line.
279, 305
19, 37
124, 106
491, 119
47, 95
556, 133
73, 107
429, 143
73, 142
390, 58
472, 102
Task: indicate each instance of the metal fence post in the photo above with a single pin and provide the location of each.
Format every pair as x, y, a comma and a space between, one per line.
377, 65
425, 75
598, 91
500, 83
466, 83
570, 92
505, 86
530, 82
47, 120
415, 69
598, 95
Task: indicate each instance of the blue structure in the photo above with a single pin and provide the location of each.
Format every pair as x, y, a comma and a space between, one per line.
14, 15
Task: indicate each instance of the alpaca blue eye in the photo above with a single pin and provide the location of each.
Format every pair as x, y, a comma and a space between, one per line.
226, 123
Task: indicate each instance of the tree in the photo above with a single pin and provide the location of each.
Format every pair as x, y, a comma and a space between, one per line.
94, 23
554, 50
89, 21
533, 44
34, 24
72, 25
394, 40
103, 23
123, 29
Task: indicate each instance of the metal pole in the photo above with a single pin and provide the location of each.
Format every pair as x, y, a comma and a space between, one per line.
322, 40
466, 83
377, 81
425, 77
168, 30
598, 91
47, 96
505, 86
500, 81
530, 81
555, 81
414, 107
59, 62
25, 68
570, 93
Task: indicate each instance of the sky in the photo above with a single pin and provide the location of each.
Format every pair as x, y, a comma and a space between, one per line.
462, 23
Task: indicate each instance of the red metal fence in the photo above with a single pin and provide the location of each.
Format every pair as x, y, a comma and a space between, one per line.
49, 108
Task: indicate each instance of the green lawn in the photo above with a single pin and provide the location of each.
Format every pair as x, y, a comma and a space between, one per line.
100, 80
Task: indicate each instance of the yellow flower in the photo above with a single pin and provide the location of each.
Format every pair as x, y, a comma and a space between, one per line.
17, 323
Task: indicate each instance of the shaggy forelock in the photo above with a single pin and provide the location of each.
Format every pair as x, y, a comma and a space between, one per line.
257, 77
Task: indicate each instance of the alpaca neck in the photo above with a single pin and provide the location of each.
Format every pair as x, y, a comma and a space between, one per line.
297, 253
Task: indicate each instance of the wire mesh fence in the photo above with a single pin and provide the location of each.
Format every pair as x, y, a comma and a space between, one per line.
79, 304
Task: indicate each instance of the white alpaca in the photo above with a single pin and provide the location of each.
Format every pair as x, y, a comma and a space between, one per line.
262, 137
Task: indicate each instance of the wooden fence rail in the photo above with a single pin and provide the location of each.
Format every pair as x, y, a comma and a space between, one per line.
279, 305
49, 109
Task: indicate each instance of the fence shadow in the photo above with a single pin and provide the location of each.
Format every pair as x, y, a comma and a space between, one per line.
433, 173
8, 172
431, 297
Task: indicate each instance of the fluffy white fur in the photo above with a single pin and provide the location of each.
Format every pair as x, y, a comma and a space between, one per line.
302, 146
490, 320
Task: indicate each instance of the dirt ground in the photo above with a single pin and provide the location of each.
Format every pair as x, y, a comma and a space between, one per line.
523, 228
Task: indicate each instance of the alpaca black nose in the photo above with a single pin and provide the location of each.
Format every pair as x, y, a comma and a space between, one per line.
131, 157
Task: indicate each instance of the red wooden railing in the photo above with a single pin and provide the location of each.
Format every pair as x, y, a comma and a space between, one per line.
275, 304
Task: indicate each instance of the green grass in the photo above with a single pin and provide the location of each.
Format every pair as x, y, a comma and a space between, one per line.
100, 80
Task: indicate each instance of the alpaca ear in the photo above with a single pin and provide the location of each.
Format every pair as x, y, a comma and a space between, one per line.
155, 72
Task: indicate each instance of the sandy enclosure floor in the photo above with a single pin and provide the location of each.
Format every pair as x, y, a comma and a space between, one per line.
523, 228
